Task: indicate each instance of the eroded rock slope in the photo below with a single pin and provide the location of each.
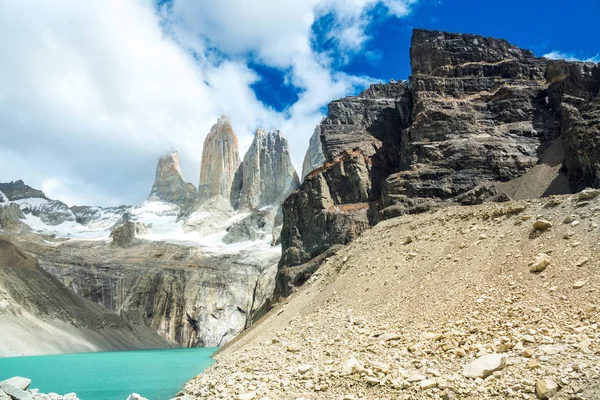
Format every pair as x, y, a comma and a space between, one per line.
476, 115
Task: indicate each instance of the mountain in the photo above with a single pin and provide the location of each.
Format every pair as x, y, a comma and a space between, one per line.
220, 161
479, 120
266, 176
149, 261
39, 315
314, 156
169, 185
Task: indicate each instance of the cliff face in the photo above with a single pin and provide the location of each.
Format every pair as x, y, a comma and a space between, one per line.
476, 114
220, 161
314, 156
169, 185
40, 315
266, 176
188, 297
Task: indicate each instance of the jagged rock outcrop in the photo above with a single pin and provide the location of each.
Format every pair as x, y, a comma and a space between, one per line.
480, 114
574, 95
314, 156
330, 207
266, 176
126, 234
18, 190
10, 218
169, 185
476, 114
220, 161
35, 202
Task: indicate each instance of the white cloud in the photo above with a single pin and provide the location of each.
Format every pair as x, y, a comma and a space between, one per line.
92, 92
557, 55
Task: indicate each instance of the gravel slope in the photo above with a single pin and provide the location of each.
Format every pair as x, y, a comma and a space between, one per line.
398, 313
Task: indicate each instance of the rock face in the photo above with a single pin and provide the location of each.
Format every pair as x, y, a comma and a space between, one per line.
169, 185
266, 176
220, 161
10, 218
330, 207
574, 95
476, 114
18, 190
126, 234
253, 227
39, 314
188, 297
314, 157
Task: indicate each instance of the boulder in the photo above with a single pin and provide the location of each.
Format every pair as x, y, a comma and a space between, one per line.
546, 388
18, 382
540, 262
135, 396
14, 392
125, 235
484, 366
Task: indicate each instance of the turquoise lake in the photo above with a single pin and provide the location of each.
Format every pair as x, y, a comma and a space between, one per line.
154, 374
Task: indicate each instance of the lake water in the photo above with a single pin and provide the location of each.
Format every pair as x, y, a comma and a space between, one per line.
154, 374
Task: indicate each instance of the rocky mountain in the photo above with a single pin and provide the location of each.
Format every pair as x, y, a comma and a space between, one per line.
38, 314
220, 161
478, 120
266, 176
188, 266
169, 185
314, 156
18, 190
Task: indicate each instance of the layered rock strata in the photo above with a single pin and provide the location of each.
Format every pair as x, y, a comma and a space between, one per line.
187, 296
475, 114
40, 315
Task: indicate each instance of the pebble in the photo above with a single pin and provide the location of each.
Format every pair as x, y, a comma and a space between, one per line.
578, 284
542, 225
540, 262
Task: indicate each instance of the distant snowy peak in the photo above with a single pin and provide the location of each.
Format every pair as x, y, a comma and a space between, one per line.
3, 198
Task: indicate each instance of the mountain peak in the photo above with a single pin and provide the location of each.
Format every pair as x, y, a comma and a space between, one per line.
220, 160
169, 185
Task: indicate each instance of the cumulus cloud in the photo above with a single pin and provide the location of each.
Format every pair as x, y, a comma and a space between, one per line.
93, 92
557, 55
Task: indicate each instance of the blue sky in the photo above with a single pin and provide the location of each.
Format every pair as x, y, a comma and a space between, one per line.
540, 26
93, 92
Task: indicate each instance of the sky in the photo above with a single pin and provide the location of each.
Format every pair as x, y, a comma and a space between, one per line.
93, 92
